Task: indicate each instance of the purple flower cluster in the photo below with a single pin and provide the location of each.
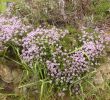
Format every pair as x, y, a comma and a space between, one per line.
34, 43
94, 35
43, 44
53, 69
58, 65
78, 62
73, 66
94, 42
92, 49
11, 29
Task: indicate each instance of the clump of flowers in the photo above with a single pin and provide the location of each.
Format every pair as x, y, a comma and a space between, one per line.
11, 29
94, 42
36, 42
77, 62
95, 35
73, 66
43, 44
92, 49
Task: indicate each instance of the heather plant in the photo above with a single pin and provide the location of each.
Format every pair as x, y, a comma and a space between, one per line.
12, 29
59, 12
49, 60
81, 60
34, 11
36, 42
43, 45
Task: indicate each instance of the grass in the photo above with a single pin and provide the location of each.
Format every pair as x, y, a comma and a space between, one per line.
34, 83
44, 89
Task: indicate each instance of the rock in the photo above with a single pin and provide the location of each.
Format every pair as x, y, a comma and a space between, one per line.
105, 71
5, 74
3, 97
99, 81
103, 74
9, 75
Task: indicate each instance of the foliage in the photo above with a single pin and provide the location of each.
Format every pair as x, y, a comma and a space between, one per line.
55, 61
4, 4
40, 51
101, 9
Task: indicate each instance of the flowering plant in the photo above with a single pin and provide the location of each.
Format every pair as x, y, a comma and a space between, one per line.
44, 45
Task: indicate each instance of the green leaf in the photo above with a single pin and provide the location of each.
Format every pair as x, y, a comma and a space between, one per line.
2, 6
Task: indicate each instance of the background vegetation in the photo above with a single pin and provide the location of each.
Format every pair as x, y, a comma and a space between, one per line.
19, 81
